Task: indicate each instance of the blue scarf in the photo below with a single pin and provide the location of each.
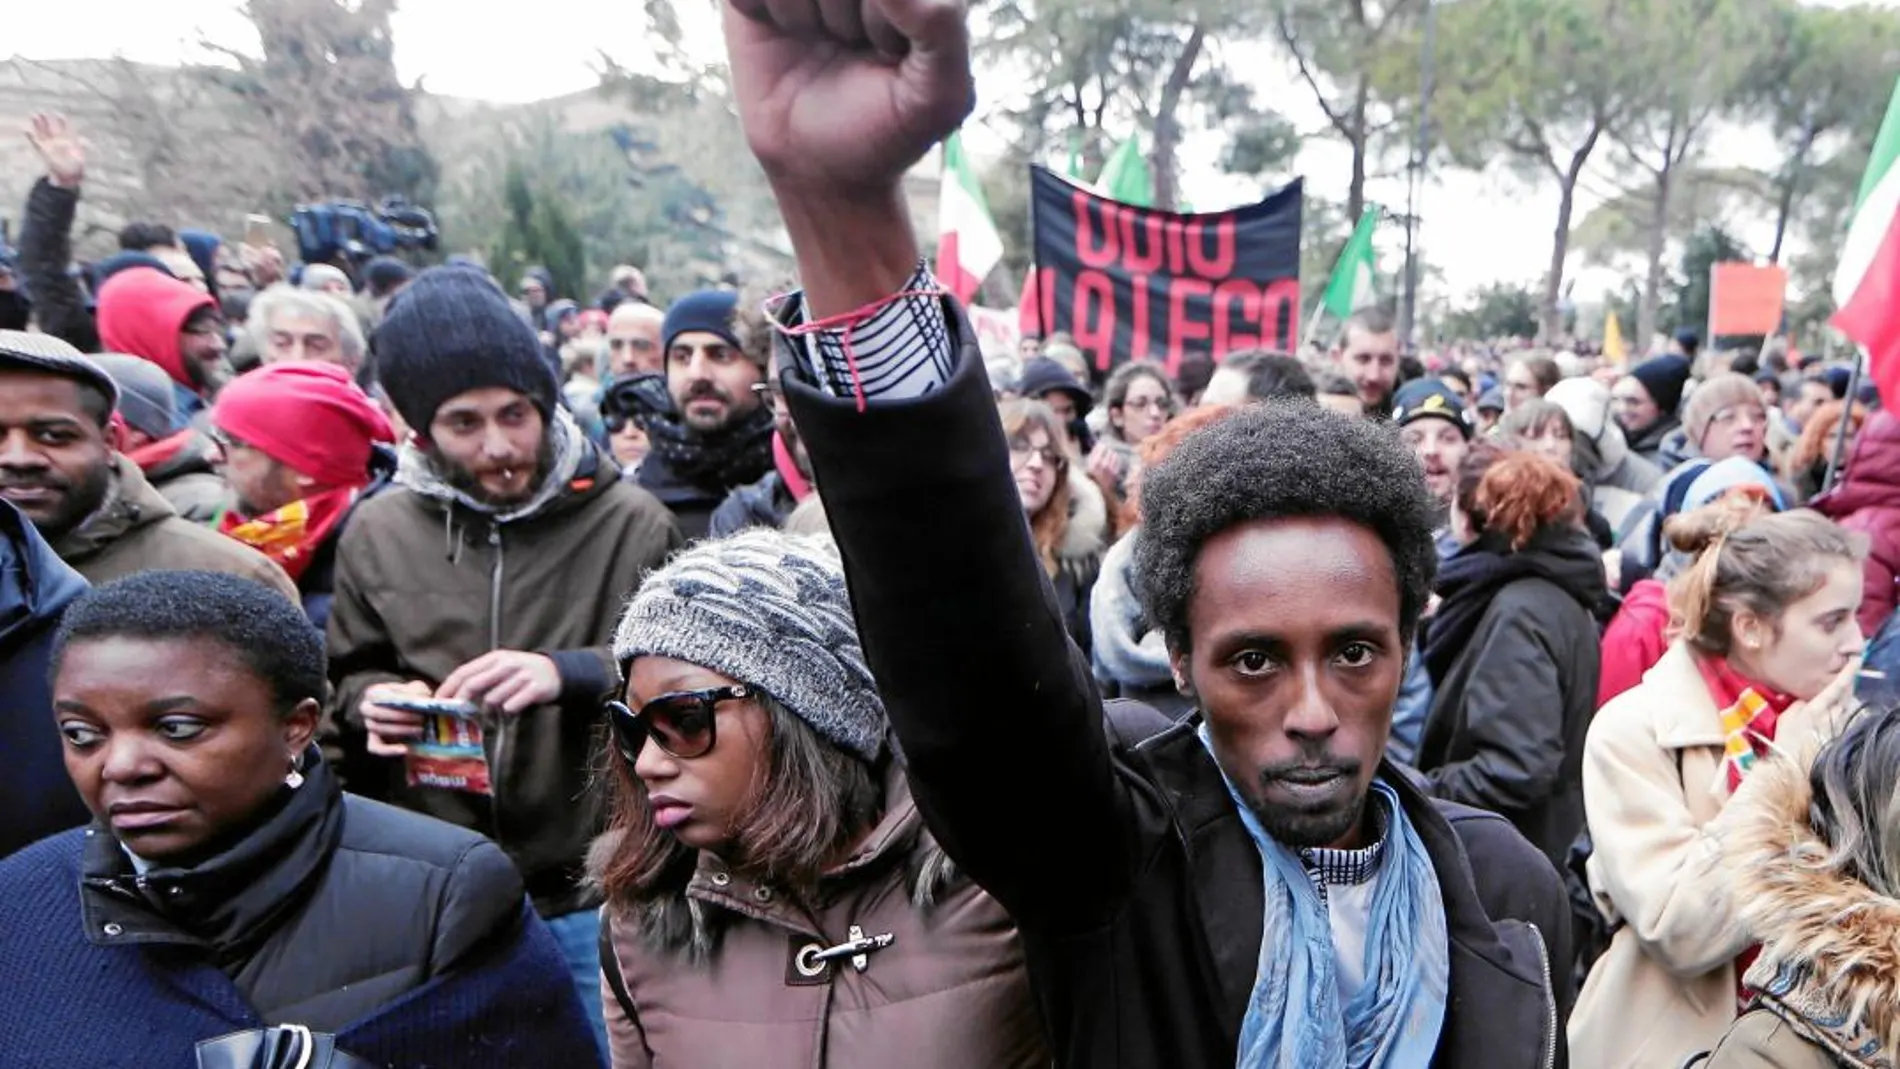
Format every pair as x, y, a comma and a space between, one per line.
1294, 1019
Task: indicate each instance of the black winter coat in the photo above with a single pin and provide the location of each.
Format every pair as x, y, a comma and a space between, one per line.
1510, 711
36, 795
1135, 886
331, 909
46, 248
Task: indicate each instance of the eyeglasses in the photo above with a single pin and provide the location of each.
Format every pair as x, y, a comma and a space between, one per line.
638, 345
1020, 452
225, 443
1157, 403
681, 724
1755, 416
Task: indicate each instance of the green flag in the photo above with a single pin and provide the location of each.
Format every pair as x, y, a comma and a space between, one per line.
1125, 176
1075, 156
1352, 286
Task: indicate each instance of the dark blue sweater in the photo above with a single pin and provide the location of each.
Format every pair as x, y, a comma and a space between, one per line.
70, 1004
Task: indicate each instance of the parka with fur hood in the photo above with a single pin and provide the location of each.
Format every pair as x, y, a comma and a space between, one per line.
1828, 977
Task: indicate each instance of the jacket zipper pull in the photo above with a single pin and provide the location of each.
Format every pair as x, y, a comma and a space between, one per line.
858, 947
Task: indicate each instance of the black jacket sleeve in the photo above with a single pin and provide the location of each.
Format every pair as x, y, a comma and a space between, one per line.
997, 715
46, 248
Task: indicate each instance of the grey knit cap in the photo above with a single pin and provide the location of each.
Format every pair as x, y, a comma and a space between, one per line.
768, 609
147, 399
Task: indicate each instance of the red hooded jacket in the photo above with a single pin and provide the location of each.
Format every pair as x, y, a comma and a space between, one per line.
142, 311
1868, 500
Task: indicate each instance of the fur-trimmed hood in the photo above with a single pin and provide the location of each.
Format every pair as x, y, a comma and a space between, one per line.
1086, 537
1830, 955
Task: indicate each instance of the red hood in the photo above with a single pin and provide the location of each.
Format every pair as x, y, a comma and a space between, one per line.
142, 311
1873, 471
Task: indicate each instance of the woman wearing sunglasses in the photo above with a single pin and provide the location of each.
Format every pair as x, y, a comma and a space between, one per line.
773, 898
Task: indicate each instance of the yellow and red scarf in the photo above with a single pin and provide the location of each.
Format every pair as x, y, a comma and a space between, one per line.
291, 535
1750, 713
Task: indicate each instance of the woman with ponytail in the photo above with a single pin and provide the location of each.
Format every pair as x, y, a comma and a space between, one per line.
1764, 653
1512, 649
1638, 634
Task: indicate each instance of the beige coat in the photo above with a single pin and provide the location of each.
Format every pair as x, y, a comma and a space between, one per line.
1653, 788
949, 992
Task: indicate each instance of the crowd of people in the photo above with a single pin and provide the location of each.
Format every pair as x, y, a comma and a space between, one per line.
404, 669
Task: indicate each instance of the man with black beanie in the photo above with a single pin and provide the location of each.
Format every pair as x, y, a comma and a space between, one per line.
493, 573
717, 434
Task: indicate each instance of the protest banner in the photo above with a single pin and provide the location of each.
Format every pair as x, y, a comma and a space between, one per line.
1134, 283
1746, 299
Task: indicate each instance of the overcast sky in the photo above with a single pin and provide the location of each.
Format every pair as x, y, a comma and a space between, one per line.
1478, 228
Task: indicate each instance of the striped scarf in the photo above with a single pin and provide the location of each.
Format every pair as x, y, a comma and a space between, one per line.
1749, 711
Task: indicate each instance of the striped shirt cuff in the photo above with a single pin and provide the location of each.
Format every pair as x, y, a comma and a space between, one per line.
898, 349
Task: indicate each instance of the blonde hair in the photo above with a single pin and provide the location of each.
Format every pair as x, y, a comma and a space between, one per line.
1748, 562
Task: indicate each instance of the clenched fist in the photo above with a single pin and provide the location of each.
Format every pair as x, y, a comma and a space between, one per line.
845, 95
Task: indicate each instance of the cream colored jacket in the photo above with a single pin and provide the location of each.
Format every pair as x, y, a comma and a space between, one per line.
1653, 789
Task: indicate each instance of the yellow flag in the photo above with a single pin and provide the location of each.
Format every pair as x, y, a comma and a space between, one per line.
1614, 350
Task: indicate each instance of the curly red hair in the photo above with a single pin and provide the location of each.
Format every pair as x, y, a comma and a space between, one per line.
1516, 494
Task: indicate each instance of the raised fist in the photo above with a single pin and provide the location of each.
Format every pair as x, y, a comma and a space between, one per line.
843, 96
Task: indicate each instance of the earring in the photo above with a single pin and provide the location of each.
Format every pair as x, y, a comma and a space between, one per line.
294, 779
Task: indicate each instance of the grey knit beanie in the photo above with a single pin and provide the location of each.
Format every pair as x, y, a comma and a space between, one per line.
146, 397
768, 609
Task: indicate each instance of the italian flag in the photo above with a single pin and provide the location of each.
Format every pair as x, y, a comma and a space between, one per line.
968, 246
1867, 280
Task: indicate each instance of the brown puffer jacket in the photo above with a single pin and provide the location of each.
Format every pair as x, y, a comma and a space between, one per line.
948, 992
137, 530
425, 584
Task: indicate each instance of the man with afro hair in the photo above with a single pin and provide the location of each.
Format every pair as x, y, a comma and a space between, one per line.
1252, 885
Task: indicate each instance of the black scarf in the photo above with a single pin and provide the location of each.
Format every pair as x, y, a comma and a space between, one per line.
234, 899
1472, 578
738, 455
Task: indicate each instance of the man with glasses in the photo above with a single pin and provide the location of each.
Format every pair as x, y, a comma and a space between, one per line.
716, 434
301, 444
146, 313
1530, 378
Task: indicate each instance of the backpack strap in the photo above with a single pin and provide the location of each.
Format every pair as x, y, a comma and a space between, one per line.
610, 968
